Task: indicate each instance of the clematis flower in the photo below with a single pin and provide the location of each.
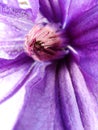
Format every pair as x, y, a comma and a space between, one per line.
50, 49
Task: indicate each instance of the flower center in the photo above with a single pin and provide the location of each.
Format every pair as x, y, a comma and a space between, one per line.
46, 42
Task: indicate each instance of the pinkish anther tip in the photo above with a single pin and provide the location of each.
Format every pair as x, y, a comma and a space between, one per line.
45, 43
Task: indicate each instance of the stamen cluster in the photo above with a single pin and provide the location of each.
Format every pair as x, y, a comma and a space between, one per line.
46, 42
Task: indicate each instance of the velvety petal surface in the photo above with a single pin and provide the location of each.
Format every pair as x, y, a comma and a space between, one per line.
92, 84
14, 25
76, 7
83, 33
58, 100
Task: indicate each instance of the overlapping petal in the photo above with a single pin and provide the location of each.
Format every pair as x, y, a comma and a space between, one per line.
76, 7
92, 85
14, 25
83, 33
53, 10
63, 10
87, 104
58, 101
34, 4
13, 75
39, 111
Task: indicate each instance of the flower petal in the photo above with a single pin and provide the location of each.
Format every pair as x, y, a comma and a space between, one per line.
83, 33
76, 7
62, 10
9, 70
92, 85
14, 24
53, 10
87, 104
34, 4
13, 75
53, 101
39, 111
89, 60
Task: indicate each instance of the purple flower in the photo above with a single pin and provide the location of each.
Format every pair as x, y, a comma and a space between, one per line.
56, 62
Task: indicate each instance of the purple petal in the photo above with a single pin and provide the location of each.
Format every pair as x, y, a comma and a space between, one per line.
92, 85
39, 104
13, 75
87, 104
84, 38
89, 59
34, 4
54, 10
59, 100
14, 25
9, 70
76, 7
61, 10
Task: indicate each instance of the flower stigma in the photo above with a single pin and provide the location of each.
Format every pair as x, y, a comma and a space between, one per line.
46, 42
